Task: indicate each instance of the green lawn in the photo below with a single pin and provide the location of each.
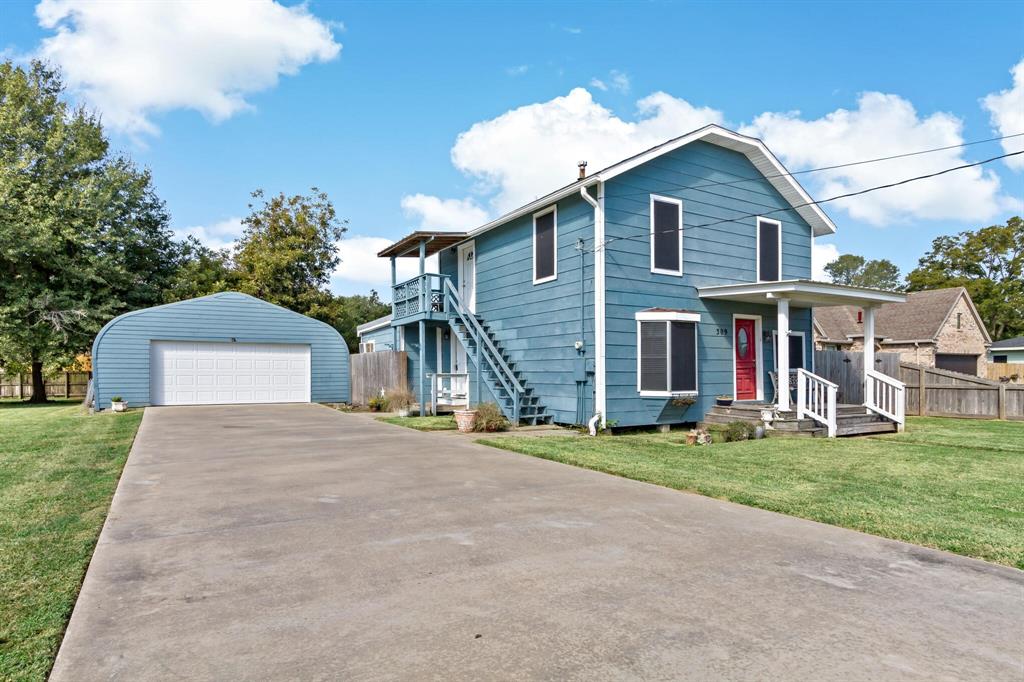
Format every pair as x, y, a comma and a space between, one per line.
952, 484
58, 470
443, 422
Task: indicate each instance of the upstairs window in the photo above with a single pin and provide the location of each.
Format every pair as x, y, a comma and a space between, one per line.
666, 353
769, 250
666, 235
545, 243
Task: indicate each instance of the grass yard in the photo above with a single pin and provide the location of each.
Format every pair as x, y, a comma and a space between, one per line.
442, 422
951, 484
58, 470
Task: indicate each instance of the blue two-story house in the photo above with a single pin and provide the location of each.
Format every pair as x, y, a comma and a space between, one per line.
633, 296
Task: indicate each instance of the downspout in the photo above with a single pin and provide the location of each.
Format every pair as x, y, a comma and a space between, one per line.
581, 349
599, 262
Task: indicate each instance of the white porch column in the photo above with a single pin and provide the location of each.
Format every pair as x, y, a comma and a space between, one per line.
783, 353
869, 345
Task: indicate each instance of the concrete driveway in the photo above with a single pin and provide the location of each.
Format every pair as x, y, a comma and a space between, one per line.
295, 542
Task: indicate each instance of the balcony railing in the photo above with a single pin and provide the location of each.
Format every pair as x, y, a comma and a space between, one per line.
421, 294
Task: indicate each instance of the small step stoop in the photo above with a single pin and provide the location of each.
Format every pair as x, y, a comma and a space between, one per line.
851, 420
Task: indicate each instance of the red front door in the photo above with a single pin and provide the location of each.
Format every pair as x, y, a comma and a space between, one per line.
746, 360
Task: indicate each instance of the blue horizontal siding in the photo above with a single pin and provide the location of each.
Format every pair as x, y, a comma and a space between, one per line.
383, 338
722, 253
121, 351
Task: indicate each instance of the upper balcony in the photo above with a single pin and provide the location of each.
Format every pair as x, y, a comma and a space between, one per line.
422, 297
419, 298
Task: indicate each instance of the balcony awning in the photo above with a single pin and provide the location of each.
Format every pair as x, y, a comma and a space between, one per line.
410, 245
802, 293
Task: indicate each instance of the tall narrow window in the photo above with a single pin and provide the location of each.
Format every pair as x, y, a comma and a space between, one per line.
666, 352
769, 250
666, 235
545, 243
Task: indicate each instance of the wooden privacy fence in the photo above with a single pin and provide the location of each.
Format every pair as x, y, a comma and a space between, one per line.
372, 372
951, 394
1010, 372
846, 369
62, 385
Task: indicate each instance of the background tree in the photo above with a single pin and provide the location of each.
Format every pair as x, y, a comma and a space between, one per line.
989, 263
345, 313
288, 251
200, 271
83, 236
856, 271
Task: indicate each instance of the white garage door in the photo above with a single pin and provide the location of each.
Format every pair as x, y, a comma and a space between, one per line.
194, 373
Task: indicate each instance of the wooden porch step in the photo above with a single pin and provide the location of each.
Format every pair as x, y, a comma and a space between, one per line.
884, 426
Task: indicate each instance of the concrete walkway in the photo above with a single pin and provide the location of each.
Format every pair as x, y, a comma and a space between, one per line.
296, 542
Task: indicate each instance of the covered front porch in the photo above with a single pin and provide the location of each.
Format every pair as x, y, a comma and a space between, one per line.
815, 396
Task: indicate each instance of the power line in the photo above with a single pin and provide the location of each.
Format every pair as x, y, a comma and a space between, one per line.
646, 238
833, 167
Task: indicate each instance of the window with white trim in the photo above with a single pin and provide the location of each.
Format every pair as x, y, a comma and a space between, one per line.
666, 235
367, 346
769, 250
666, 353
545, 245
797, 350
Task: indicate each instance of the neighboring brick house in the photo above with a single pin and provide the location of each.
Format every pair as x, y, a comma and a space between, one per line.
939, 328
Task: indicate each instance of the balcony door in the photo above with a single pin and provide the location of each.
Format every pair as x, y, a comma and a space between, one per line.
467, 275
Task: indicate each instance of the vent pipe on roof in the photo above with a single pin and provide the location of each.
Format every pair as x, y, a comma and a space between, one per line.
582, 165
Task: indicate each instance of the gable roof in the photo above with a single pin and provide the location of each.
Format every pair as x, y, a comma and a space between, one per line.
753, 148
1016, 343
919, 319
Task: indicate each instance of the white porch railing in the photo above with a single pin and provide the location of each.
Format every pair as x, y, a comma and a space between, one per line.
449, 389
885, 396
816, 398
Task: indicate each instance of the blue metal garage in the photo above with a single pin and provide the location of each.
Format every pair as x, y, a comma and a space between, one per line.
221, 349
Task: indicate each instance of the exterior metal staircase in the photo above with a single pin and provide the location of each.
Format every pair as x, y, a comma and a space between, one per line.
495, 368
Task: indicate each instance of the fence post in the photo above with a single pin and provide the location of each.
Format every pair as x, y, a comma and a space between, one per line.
21, 386
922, 393
67, 384
1002, 401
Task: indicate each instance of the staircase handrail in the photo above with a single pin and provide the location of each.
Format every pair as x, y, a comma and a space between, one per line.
816, 398
473, 325
895, 392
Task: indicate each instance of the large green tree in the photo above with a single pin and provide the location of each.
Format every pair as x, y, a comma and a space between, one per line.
856, 271
345, 313
288, 250
83, 236
989, 263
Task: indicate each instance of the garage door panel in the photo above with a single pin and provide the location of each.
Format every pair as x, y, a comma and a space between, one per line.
189, 373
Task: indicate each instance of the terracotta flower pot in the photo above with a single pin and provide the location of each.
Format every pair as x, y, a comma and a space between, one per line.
465, 420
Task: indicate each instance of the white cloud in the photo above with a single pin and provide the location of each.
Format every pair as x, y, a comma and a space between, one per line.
135, 59
219, 235
531, 150
573, 30
617, 80
435, 213
360, 264
821, 255
884, 125
1006, 108
517, 70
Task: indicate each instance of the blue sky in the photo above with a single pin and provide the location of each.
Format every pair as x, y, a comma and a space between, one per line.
367, 101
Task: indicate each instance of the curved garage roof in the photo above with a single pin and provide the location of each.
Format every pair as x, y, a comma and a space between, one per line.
230, 327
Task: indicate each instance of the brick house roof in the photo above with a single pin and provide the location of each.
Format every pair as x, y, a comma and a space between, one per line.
919, 319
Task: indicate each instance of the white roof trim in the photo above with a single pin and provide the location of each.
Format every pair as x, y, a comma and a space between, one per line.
373, 325
1000, 349
759, 155
802, 291
753, 148
663, 315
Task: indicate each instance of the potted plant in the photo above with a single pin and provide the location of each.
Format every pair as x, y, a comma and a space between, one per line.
724, 400
400, 400
377, 403
466, 420
117, 404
